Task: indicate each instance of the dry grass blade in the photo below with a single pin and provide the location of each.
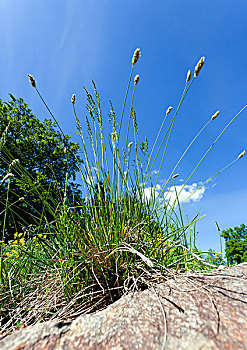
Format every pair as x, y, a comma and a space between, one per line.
127, 248
164, 316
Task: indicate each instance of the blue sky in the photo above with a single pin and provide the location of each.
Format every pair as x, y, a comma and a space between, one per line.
64, 44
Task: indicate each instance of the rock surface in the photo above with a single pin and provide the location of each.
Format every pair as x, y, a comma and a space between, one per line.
191, 311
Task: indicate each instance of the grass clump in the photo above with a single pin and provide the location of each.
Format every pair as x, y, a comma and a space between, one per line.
113, 241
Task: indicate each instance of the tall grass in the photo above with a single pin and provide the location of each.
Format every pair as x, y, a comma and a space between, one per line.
115, 241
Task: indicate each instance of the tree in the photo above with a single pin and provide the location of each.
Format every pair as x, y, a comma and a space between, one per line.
236, 244
42, 160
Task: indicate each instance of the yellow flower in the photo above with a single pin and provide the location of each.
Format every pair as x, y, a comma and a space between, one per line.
22, 241
8, 254
1, 241
18, 234
44, 237
14, 251
15, 243
40, 235
37, 244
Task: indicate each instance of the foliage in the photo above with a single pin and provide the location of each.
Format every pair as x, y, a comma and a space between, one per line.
214, 258
235, 244
34, 152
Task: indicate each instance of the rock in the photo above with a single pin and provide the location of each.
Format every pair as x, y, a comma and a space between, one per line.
191, 311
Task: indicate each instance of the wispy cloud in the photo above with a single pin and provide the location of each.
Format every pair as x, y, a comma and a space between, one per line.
188, 193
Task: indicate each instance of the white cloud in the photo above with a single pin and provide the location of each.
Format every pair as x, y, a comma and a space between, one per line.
185, 192
90, 179
149, 193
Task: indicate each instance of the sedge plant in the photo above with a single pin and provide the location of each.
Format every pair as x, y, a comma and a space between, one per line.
116, 239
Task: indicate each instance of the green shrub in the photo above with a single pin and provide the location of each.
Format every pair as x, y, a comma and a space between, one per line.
236, 244
33, 151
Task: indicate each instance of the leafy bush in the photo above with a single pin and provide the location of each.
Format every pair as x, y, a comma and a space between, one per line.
236, 244
33, 151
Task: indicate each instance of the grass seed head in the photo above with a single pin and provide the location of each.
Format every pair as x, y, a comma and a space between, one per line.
136, 56
188, 76
6, 177
137, 77
73, 99
199, 66
217, 226
241, 154
174, 176
32, 80
130, 144
215, 115
13, 163
168, 110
